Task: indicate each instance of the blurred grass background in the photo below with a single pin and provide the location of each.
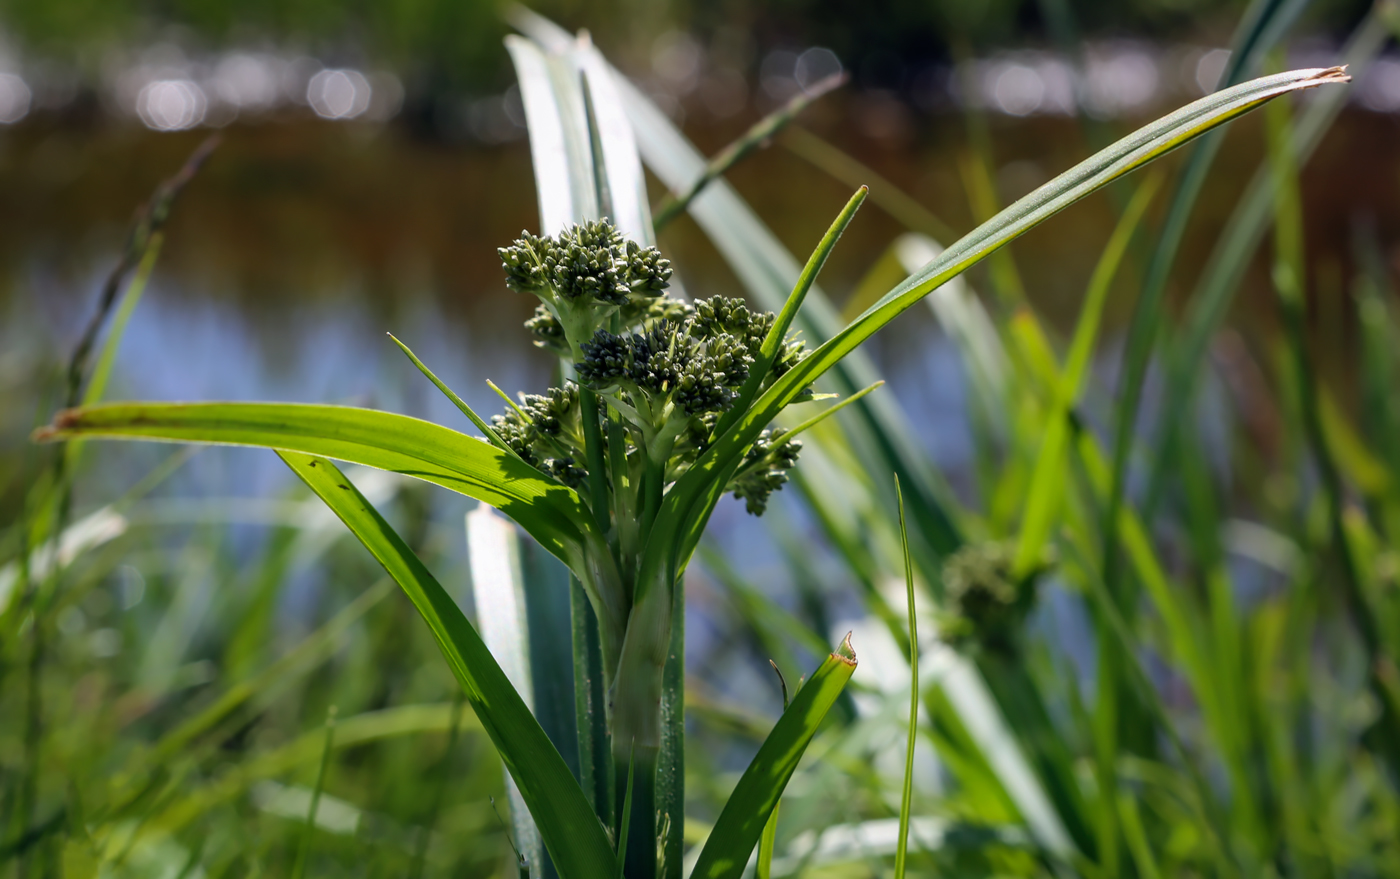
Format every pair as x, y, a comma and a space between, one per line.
163, 691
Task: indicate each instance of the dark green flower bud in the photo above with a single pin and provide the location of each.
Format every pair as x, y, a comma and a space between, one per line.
606, 359
764, 470
566, 471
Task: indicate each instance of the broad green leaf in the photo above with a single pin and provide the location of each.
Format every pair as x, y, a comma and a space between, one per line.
570, 831
552, 513
736, 833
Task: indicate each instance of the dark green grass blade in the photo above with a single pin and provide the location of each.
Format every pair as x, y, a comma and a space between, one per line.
552, 513
788, 313
1244, 231
1290, 279
308, 831
1262, 24
741, 823
374, 726
625, 830
571, 832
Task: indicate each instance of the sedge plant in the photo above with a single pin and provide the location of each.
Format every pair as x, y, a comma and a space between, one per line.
664, 406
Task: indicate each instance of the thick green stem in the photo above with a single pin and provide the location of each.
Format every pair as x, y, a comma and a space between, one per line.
636, 691
640, 856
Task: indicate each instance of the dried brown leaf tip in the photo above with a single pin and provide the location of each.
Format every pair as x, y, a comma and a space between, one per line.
1329, 75
846, 653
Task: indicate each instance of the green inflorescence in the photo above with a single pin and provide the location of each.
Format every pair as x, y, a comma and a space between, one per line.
985, 602
668, 368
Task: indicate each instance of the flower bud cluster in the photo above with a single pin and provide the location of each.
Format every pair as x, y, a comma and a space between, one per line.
668, 367
547, 432
581, 277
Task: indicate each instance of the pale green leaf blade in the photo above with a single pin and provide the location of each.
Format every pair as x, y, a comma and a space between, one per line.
621, 166
498, 590
559, 144
569, 829
741, 823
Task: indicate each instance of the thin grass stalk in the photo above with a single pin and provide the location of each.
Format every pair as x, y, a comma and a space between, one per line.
309, 829
442, 773
901, 850
759, 134
54, 510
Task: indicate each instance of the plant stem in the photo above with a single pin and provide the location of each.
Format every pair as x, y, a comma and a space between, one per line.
637, 831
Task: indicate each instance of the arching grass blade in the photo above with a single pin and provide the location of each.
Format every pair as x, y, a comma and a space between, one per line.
567, 825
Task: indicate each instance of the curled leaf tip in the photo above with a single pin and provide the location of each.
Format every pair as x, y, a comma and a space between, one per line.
846, 653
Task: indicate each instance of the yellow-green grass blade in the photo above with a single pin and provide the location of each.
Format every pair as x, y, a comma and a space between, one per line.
852, 172
359, 730
1047, 480
552, 513
569, 829
690, 501
741, 822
